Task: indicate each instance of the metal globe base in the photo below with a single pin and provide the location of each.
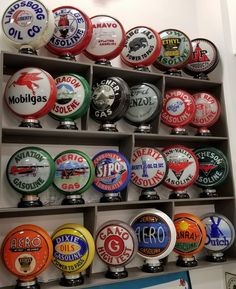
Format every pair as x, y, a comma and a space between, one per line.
174, 72
144, 128
27, 285
67, 56
108, 127
109, 198
142, 68
149, 195
179, 195
202, 76
27, 203
186, 262
178, 131
28, 50
208, 194
103, 62
33, 123
216, 259
203, 132
116, 275
73, 200
67, 125
148, 268
71, 282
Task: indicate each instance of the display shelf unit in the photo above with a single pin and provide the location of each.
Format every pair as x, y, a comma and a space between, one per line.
88, 139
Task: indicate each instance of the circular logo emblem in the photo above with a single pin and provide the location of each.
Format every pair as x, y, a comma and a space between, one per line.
178, 108
183, 167
213, 167
72, 33
149, 167
110, 99
23, 18
155, 232
73, 97
220, 232
142, 46
204, 58
207, 110
30, 170
191, 234
74, 172
176, 50
73, 248
116, 243
108, 38
145, 103
25, 21
112, 171
27, 251
30, 92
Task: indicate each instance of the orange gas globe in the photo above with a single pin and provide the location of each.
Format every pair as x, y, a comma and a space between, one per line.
26, 252
191, 237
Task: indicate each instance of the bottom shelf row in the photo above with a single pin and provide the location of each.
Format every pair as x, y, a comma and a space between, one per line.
27, 250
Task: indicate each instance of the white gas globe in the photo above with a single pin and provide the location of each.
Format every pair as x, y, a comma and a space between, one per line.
27, 24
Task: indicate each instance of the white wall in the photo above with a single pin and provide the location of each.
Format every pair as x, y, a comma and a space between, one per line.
202, 18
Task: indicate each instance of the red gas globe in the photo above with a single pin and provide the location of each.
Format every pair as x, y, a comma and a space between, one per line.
178, 110
142, 47
107, 41
208, 110
183, 170
72, 33
30, 93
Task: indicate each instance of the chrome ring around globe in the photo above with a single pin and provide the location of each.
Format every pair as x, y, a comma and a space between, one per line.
145, 104
27, 24
220, 232
161, 236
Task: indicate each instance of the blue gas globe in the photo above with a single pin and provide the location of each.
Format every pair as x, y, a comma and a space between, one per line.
156, 238
112, 174
220, 236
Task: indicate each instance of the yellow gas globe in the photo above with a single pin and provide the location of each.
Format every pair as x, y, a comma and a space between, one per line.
73, 252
